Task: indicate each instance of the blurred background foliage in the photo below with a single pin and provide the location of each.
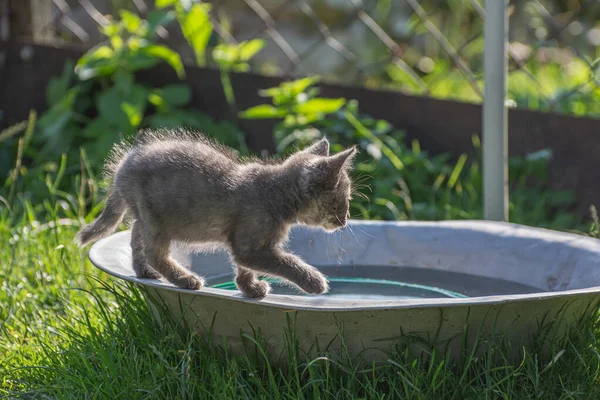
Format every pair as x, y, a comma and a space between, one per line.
437, 51
61, 342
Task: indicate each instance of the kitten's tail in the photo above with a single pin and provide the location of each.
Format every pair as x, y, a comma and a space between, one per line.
107, 222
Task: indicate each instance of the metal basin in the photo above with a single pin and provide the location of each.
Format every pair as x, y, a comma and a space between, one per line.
446, 283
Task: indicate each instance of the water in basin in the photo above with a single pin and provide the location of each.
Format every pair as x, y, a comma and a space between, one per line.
390, 282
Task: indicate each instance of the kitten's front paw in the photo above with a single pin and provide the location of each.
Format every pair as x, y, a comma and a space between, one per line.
148, 273
314, 283
193, 282
256, 289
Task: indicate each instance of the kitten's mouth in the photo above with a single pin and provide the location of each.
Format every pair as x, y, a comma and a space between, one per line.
334, 226
330, 226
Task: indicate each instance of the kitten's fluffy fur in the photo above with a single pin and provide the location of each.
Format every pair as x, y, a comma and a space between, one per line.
179, 186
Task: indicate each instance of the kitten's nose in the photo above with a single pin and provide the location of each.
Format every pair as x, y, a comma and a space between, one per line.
338, 222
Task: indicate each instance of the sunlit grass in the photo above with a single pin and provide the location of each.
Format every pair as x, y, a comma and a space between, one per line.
67, 330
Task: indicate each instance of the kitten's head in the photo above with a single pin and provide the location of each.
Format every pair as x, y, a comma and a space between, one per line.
325, 184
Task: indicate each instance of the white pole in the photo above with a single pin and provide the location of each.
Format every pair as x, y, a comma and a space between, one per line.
495, 116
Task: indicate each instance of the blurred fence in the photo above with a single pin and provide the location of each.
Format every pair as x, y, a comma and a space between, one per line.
426, 47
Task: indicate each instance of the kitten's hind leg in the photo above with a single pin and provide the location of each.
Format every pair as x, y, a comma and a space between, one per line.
248, 283
157, 252
140, 264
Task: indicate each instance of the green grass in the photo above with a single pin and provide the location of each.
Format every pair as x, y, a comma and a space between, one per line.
67, 330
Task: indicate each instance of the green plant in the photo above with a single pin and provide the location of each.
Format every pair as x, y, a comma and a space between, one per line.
100, 100
234, 58
67, 330
194, 21
567, 84
403, 182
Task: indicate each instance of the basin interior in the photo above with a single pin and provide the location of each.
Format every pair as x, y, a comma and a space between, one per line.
376, 260
437, 260
385, 282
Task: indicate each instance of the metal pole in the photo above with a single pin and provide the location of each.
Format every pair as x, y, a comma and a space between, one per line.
495, 116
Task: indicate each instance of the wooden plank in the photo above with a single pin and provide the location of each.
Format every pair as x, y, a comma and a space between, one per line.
440, 125
30, 19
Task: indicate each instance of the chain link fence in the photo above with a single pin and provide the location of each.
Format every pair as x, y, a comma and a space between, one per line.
424, 47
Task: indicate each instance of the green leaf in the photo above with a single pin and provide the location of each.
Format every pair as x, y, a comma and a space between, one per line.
175, 95
169, 56
58, 87
53, 122
95, 53
155, 99
320, 106
456, 171
132, 22
98, 61
197, 28
137, 60
247, 50
102, 144
235, 57
109, 108
56, 118
290, 89
62, 139
366, 133
123, 81
133, 113
124, 110
96, 128
111, 29
262, 111
116, 42
225, 54
158, 18
165, 3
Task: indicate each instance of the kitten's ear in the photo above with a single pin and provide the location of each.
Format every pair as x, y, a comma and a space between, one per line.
326, 170
341, 160
320, 148
331, 166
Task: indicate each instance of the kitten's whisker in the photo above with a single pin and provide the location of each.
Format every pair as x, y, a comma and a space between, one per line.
365, 232
327, 241
338, 255
360, 185
355, 238
341, 246
363, 176
361, 195
359, 188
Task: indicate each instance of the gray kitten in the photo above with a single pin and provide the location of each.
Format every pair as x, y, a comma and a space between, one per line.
180, 186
